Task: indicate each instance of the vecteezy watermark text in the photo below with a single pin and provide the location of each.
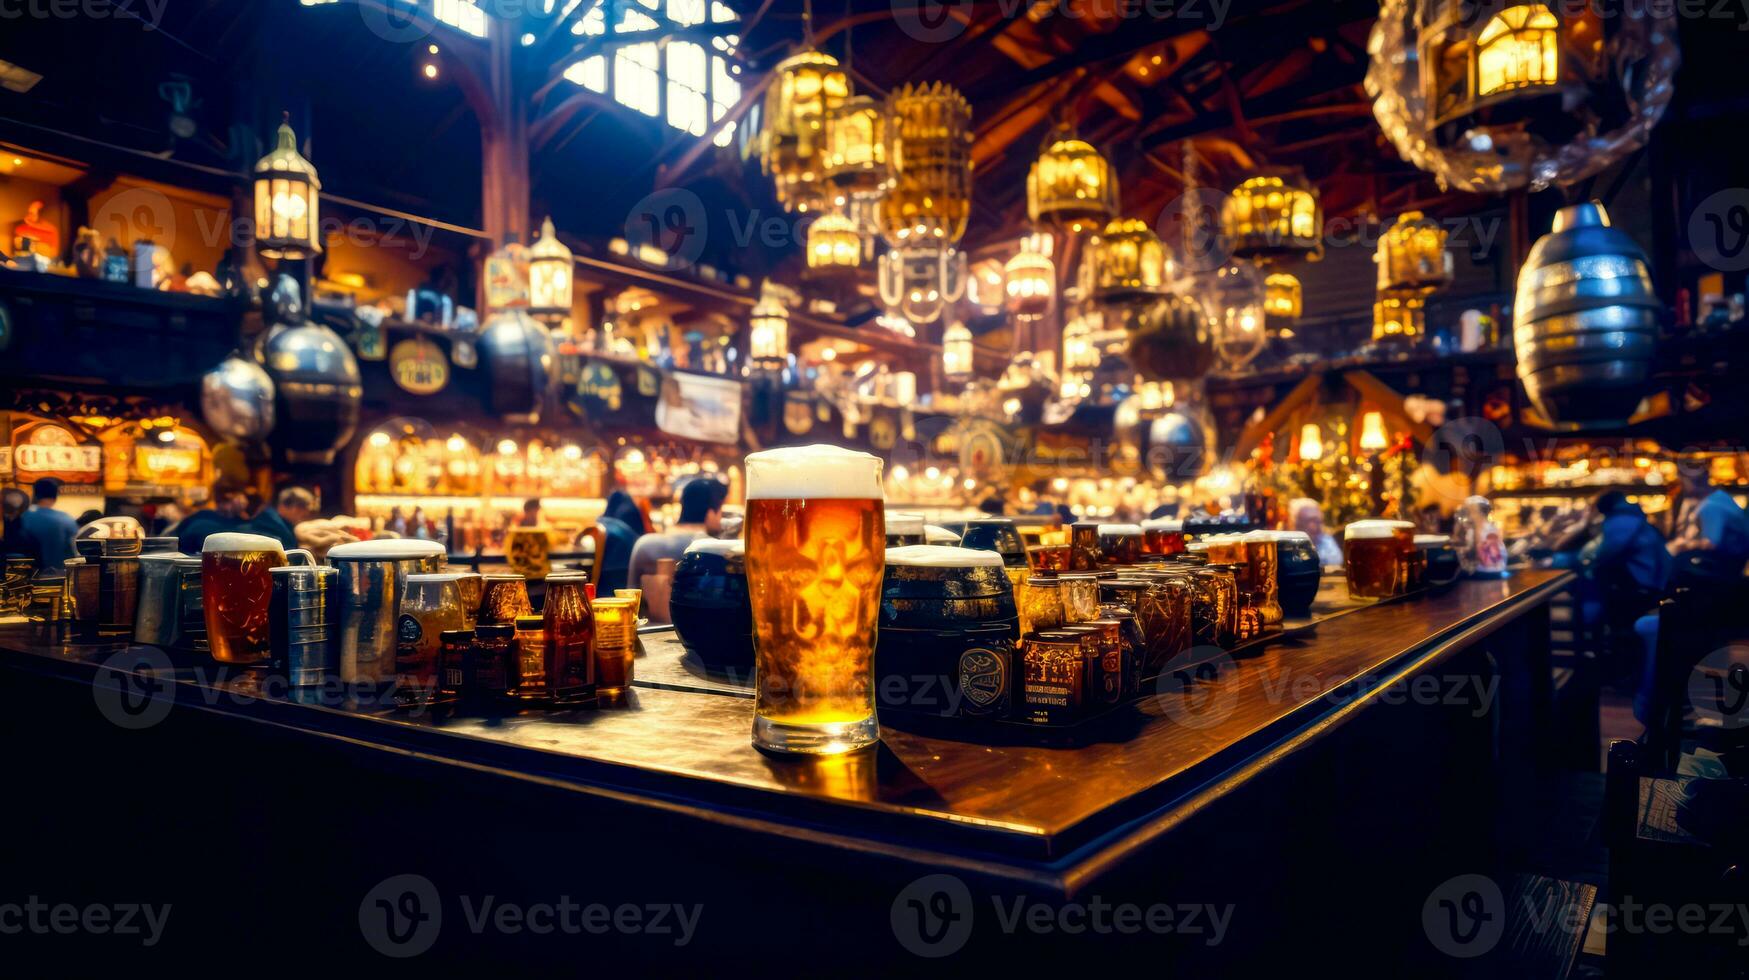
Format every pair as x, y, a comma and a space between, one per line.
150, 13
41, 918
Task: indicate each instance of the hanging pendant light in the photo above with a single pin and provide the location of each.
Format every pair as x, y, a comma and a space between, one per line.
1281, 296
1070, 186
956, 352
1399, 316
287, 201
1234, 294
929, 140
807, 87
550, 285
768, 331
1411, 256
1271, 215
856, 153
1126, 261
1495, 95
1029, 279
916, 284
834, 244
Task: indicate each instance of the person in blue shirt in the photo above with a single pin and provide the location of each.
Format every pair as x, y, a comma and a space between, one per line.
279, 520
49, 531
623, 524
226, 514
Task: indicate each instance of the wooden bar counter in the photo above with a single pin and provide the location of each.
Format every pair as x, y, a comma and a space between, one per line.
1336, 776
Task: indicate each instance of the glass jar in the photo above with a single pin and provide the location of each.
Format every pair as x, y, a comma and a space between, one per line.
1120, 544
1164, 615
430, 607
1053, 678
1092, 642
1080, 597
570, 628
615, 647
493, 665
1232, 601
1048, 557
531, 659
1162, 537
1084, 551
1263, 567
455, 659
505, 598
1211, 607
1041, 606
1112, 668
1135, 649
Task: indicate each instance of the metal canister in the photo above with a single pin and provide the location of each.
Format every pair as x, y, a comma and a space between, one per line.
118, 593
190, 630
372, 577
301, 624
159, 607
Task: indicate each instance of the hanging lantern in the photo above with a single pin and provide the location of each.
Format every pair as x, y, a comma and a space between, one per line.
856, 149
286, 202
768, 331
1495, 95
1080, 355
919, 282
1126, 262
1585, 320
1235, 299
1070, 185
1412, 256
1311, 441
549, 276
929, 143
834, 244
807, 86
1372, 433
1281, 296
1398, 316
956, 352
1273, 214
1029, 279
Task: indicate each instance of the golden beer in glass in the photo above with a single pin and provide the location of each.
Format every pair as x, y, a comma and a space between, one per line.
1375, 558
816, 551
236, 590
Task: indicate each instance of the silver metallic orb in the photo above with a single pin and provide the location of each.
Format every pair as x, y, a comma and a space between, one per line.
236, 399
319, 390
519, 359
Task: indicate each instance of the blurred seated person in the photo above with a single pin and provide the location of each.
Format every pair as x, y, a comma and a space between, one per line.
1304, 514
531, 515
622, 524
13, 540
701, 515
230, 506
1626, 562
280, 519
50, 531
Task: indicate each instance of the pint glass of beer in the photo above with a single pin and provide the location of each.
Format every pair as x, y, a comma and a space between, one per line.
1375, 558
816, 550
237, 592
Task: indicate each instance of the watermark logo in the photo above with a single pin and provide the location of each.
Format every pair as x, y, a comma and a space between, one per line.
932, 21
1193, 696
1190, 225
150, 13
131, 688
136, 214
1718, 230
933, 916
1719, 685
395, 21
671, 220
402, 916
1465, 916
40, 918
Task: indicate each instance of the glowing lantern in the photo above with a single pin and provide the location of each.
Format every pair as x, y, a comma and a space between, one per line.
1412, 255
856, 148
1399, 316
549, 276
768, 331
1029, 279
1234, 294
1372, 433
956, 352
1281, 296
286, 202
1271, 215
929, 143
1071, 185
1127, 261
1311, 441
833, 243
808, 86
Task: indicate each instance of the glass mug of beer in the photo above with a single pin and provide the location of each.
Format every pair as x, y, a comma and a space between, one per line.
816, 551
237, 592
1374, 555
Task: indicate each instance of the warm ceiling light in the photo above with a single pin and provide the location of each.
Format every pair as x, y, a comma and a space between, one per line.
1372, 433
430, 71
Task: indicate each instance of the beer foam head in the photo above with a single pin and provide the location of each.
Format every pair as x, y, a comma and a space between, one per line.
718, 546
1289, 535
1432, 540
1164, 524
818, 472
238, 541
385, 549
1373, 529
937, 535
1120, 530
437, 576
901, 522
938, 556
